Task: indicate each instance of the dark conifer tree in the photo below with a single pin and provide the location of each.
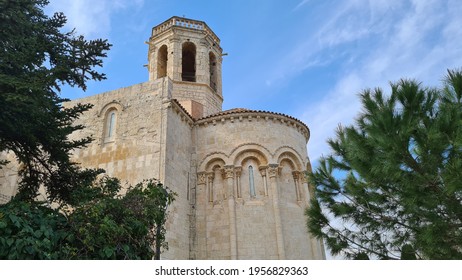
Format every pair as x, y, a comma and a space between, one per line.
36, 59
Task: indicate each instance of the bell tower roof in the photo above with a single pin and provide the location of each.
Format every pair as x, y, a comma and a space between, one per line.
184, 23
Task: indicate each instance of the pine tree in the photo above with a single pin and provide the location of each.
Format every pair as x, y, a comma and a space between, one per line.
392, 187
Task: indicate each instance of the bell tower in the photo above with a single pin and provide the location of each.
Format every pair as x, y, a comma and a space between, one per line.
188, 53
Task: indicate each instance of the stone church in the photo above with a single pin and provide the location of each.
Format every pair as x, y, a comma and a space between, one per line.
239, 173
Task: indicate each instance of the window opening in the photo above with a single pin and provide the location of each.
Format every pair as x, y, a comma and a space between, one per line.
213, 71
110, 126
188, 68
251, 182
162, 62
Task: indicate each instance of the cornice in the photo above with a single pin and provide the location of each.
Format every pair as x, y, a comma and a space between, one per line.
240, 115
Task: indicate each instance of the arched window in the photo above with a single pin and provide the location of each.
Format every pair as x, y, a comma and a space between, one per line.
188, 64
251, 182
162, 62
110, 125
213, 71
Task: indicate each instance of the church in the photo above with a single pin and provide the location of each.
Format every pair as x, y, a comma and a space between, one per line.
239, 174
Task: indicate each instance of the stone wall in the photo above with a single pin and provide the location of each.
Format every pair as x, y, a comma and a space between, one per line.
151, 140
201, 93
8, 177
262, 219
179, 176
134, 151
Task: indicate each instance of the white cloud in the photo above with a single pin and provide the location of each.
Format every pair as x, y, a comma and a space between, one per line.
89, 17
419, 39
339, 106
303, 2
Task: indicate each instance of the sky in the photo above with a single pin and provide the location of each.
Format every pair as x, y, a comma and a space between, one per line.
305, 58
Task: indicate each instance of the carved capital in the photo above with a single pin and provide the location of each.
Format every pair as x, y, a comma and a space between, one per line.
304, 177
201, 176
273, 170
238, 171
262, 170
210, 176
228, 171
296, 175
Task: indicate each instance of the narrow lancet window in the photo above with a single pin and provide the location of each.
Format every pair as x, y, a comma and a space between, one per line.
110, 130
110, 126
251, 182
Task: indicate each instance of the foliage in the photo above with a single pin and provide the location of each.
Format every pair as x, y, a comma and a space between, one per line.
121, 227
36, 59
31, 230
90, 219
108, 226
392, 187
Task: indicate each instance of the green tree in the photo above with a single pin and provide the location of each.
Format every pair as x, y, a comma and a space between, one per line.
113, 226
392, 187
36, 59
31, 230
106, 225
92, 220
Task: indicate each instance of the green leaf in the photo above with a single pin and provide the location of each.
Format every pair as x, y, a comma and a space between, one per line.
9, 242
108, 252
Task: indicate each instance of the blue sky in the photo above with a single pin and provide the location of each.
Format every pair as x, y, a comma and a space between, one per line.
305, 58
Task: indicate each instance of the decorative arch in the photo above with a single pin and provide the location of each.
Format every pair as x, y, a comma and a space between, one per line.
113, 104
188, 62
289, 162
291, 155
290, 175
252, 150
214, 190
214, 164
250, 155
252, 159
209, 159
162, 57
110, 114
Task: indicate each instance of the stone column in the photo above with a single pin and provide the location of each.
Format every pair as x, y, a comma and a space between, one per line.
315, 245
229, 175
219, 78
296, 176
237, 172
152, 65
306, 189
202, 62
198, 237
174, 59
263, 175
210, 177
273, 171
